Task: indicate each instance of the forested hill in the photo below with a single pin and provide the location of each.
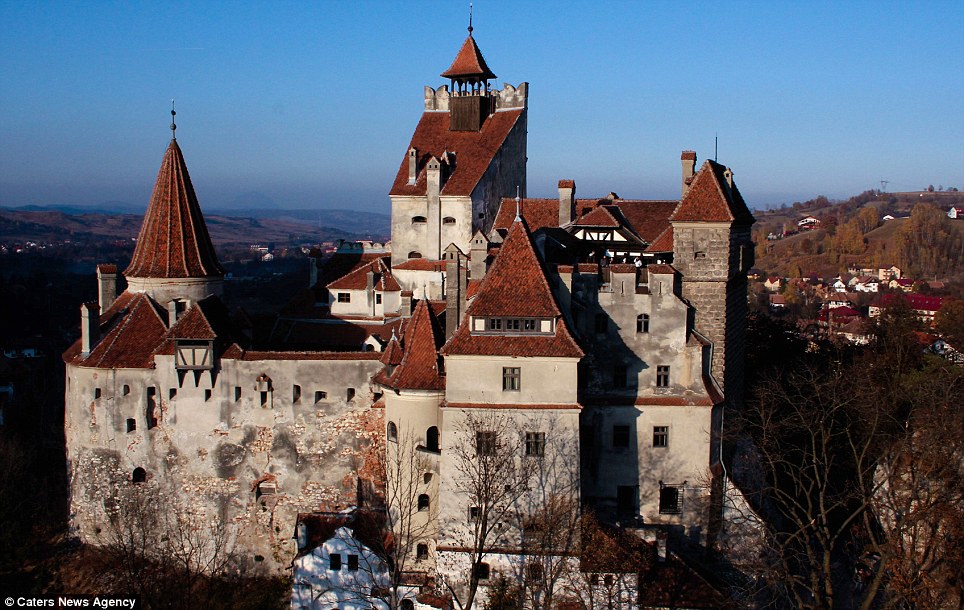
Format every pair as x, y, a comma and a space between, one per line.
920, 238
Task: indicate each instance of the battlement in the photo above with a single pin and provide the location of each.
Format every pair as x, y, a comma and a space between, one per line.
509, 98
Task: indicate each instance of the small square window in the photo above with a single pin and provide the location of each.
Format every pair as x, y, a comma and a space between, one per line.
334, 562
421, 552
320, 396
131, 424
237, 393
511, 378
96, 393
660, 436
207, 395
535, 444
494, 324
353, 563
172, 394
670, 499
482, 571
126, 390
350, 393
378, 298
344, 297
296, 393
620, 436
475, 513
642, 323
485, 443
662, 376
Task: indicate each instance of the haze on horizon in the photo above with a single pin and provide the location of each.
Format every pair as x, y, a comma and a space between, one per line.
312, 105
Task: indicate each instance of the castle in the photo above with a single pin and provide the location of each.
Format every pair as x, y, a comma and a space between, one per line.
603, 336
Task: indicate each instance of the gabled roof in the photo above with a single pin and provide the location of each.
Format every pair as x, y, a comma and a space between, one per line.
392, 356
600, 217
173, 241
515, 286
131, 330
649, 219
663, 243
711, 199
474, 151
469, 63
418, 368
358, 278
539, 213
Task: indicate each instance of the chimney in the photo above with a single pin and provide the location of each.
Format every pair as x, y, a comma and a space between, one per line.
406, 309
455, 286
412, 165
89, 327
688, 159
175, 307
106, 286
370, 287
567, 201
477, 255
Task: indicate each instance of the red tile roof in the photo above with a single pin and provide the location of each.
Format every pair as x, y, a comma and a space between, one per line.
515, 286
131, 328
358, 278
193, 325
538, 213
663, 243
173, 241
667, 269
419, 367
107, 268
567, 184
600, 217
270, 355
474, 151
649, 219
420, 264
469, 63
711, 199
392, 356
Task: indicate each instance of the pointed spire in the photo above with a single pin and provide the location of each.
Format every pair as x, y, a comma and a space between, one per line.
469, 65
470, 18
173, 241
173, 126
518, 202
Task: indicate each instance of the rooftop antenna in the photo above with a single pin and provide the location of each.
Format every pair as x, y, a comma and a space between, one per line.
470, 18
518, 200
716, 146
173, 126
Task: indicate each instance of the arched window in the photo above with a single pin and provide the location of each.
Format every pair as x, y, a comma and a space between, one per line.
448, 220
139, 475
418, 220
431, 439
392, 431
408, 604
414, 254
423, 502
642, 323
421, 552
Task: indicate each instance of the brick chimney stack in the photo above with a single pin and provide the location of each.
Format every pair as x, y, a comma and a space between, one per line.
412, 165
688, 159
89, 327
567, 201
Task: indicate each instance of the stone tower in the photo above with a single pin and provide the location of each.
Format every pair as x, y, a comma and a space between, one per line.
467, 152
713, 250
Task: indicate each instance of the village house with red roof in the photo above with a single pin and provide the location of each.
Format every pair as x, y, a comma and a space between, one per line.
601, 334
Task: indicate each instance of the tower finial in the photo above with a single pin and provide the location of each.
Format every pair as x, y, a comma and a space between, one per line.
470, 18
173, 126
518, 202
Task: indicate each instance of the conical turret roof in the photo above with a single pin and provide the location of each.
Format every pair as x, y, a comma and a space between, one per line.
469, 63
173, 241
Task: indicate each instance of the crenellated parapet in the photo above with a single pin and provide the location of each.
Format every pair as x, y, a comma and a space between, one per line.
508, 98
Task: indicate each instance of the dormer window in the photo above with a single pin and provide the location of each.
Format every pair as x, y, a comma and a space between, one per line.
194, 355
540, 326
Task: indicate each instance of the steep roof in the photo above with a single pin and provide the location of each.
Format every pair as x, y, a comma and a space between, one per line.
474, 151
131, 329
358, 278
600, 217
469, 63
173, 241
515, 286
710, 198
418, 368
539, 213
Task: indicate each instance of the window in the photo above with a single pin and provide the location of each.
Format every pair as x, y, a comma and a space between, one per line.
602, 323
334, 562
670, 499
626, 501
619, 376
150, 411
423, 502
620, 436
475, 513
139, 475
427, 478
344, 297
378, 299
350, 393
642, 323
485, 443
172, 394
126, 390
392, 432
495, 324
414, 254
662, 376
407, 604
511, 378
96, 393
207, 395
418, 220
319, 396
353, 563
264, 399
131, 424
534, 571
421, 551
535, 444
660, 436
482, 571
431, 439
448, 220
608, 580
237, 393
295, 393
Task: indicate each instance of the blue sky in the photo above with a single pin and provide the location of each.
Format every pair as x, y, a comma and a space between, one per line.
313, 104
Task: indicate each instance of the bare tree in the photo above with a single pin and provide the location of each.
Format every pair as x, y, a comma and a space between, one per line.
490, 475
